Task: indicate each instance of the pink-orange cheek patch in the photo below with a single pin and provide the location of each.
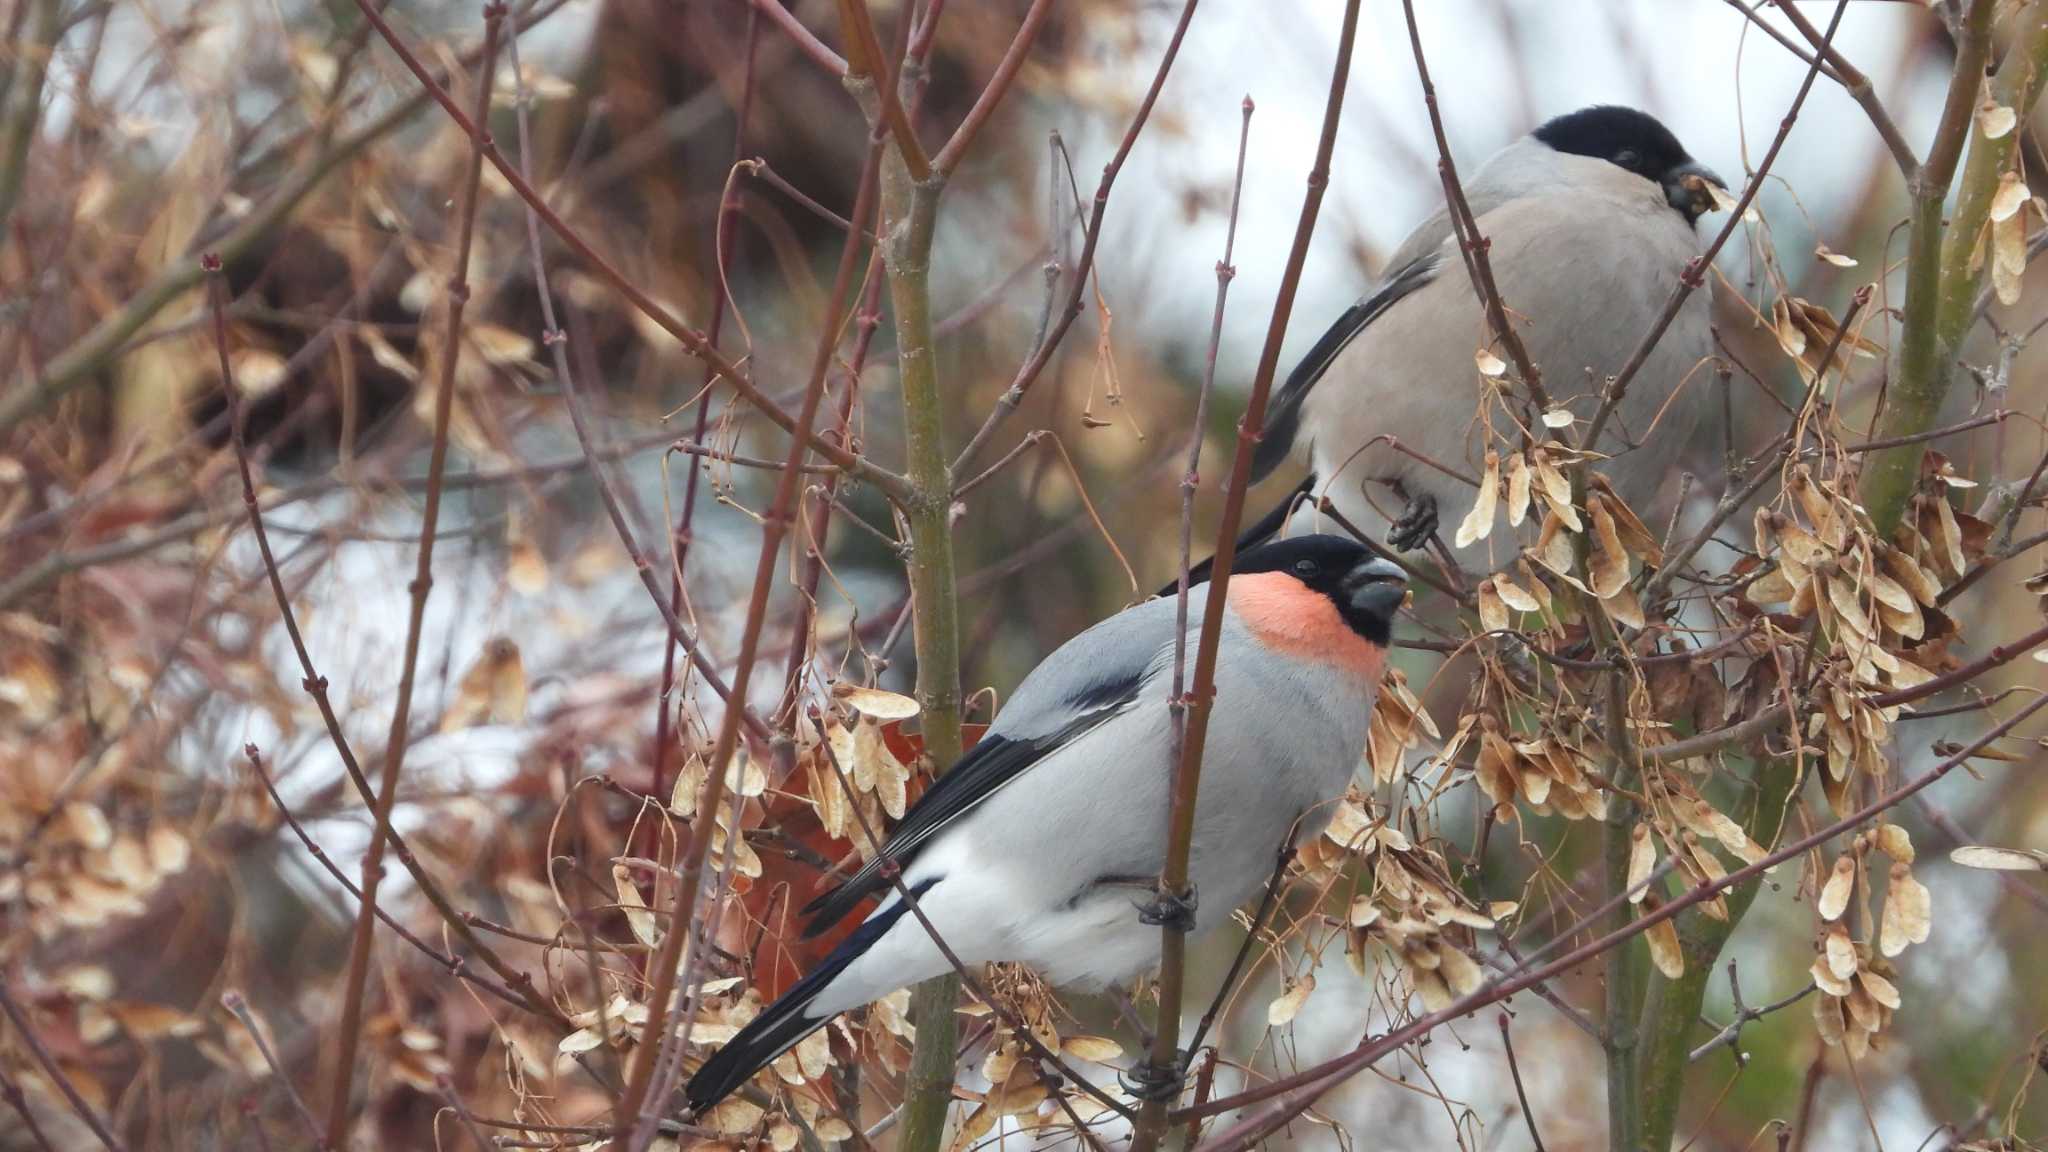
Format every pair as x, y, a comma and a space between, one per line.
1294, 620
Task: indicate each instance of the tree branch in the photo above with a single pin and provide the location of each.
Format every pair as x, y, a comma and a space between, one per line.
1173, 878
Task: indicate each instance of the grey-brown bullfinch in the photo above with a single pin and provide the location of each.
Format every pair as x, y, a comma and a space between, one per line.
1040, 844
1591, 220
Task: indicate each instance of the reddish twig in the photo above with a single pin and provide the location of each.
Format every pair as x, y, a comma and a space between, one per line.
1860, 89
726, 229
1173, 877
1507, 1043
338, 1110
446, 1087
1190, 482
454, 966
1041, 355
803, 37
239, 1008
316, 684
998, 87
1999, 654
1471, 243
636, 1109
26, 1030
864, 60
607, 492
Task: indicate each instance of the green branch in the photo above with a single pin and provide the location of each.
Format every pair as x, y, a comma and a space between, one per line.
909, 211
22, 98
1673, 1006
1922, 378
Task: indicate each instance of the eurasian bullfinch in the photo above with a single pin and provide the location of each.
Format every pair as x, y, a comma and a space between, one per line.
1591, 221
1043, 841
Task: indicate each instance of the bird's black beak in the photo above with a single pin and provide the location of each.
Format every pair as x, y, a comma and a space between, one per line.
1690, 188
1375, 588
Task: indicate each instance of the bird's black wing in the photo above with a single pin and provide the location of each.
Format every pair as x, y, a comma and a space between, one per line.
993, 762
1283, 416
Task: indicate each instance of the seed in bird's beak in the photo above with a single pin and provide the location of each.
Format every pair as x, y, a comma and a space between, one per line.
1696, 190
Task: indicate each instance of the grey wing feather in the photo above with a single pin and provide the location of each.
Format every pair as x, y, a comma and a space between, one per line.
1283, 417
1086, 681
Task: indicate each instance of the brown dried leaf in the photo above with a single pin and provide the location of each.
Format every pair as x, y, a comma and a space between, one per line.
638, 916
1288, 1004
492, 691
1665, 951
1478, 523
1834, 895
1493, 611
1519, 480
1093, 1049
1642, 860
874, 702
1608, 565
2000, 859
1908, 912
734, 1116
1625, 608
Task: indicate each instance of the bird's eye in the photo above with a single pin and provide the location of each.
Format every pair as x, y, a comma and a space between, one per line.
1628, 158
1306, 569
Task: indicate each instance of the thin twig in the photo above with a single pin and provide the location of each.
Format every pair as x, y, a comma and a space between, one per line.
1471, 244
1042, 353
23, 97
446, 1087
454, 966
637, 1109
865, 61
1507, 1043
998, 87
804, 39
1860, 89
726, 228
1173, 877
54, 1072
1731, 1035
315, 684
233, 1002
339, 1109
18, 1100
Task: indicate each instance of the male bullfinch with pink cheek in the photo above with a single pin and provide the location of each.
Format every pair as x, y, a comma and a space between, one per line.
1044, 842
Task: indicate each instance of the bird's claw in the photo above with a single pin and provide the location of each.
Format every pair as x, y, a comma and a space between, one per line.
1153, 1083
1170, 910
1417, 523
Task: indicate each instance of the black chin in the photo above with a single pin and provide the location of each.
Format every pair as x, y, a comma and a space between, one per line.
1684, 202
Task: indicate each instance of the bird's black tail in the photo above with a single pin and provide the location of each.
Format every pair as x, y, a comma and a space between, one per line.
777, 1029
1268, 527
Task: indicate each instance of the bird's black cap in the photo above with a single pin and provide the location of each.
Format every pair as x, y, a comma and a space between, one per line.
1625, 137
1638, 142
